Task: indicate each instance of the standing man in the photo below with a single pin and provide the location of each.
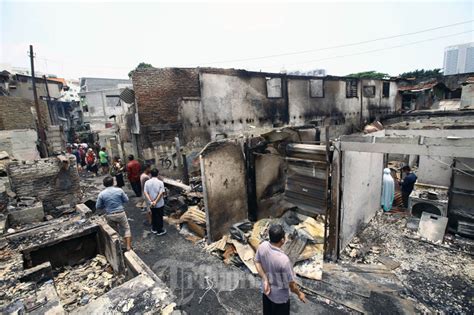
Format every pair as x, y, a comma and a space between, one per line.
104, 161
82, 155
154, 192
143, 179
407, 184
111, 199
133, 171
91, 161
276, 271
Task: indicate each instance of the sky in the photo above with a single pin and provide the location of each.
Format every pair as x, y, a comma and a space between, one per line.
108, 39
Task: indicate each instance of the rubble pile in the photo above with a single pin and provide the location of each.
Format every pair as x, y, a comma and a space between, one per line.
10, 272
77, 285
195, 220
89, 189
304, 244
440, 276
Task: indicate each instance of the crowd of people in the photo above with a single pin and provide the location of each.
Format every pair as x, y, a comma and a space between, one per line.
273, 265
145, 184
407, 184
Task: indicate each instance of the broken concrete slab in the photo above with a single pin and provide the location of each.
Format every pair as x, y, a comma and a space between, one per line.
138, 295
109, 241
389, 262
25, 215
83, 210
432, 227
38, 273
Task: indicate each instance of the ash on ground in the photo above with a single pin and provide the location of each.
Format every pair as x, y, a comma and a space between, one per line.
440, 276
80, 284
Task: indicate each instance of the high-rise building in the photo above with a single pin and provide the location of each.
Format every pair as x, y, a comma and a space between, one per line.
459, 59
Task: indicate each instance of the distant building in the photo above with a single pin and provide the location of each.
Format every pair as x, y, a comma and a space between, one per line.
100, 101
97, 84
21, 85
459, 59
70, 92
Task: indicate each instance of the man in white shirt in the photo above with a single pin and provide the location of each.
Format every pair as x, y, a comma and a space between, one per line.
154, 192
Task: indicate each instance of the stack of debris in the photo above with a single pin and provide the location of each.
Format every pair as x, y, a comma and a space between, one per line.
304, 244
195, 220
439, 275
77, 285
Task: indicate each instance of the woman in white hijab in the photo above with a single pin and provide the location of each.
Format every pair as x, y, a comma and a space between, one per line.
388, 190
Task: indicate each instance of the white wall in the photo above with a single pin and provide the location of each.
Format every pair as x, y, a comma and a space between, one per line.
100, 108
361, 190
20, 144
467, 95
435, 170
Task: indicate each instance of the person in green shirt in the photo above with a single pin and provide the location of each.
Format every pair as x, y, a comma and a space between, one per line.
104, 161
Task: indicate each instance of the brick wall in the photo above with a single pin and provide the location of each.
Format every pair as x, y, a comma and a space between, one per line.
16, 113
46, 180
157, 92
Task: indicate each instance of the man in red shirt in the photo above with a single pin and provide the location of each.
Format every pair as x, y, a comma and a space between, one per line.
133, 170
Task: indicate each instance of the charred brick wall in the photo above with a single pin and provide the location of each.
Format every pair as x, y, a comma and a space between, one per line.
50, 180
16, 113
157, 92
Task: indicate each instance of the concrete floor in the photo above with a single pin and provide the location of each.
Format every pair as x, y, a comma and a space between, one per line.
184, 267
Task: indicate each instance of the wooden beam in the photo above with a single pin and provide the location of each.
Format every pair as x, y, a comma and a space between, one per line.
448, 147
164, 127
172, 182
331, 252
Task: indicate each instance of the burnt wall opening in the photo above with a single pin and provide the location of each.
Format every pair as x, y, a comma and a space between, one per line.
66, 253
421, 207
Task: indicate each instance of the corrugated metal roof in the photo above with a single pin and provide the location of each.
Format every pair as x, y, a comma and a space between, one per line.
418, 87
60, 80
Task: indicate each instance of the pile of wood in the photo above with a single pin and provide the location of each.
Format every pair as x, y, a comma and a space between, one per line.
195, 219
304, 245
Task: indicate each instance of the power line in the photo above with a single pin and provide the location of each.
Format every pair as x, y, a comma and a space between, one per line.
381, 49
336, 46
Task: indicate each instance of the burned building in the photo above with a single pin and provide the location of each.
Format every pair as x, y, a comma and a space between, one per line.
199, 105
443, 93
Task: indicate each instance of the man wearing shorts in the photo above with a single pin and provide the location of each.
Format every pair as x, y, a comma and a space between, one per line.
111, 199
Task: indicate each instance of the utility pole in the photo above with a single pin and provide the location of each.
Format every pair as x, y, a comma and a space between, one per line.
46, 86
49, 99
41, 132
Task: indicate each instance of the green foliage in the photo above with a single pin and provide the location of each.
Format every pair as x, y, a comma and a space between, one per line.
141, 65
369, 75
423, 74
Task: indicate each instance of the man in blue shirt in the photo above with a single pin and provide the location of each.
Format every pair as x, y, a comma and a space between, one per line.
407, 184
111, 199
